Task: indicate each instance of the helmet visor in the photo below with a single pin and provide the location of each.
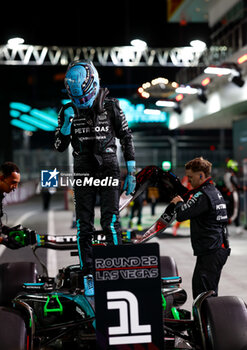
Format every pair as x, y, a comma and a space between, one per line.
80, 101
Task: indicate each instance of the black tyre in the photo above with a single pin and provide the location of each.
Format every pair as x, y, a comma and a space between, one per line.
225, 320
168, 267
12, 277
13, 335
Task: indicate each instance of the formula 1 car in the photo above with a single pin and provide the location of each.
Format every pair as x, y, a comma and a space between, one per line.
40, 312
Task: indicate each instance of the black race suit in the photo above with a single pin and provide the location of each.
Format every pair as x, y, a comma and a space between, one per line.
1, 213
3, 228
92, 137
207, 212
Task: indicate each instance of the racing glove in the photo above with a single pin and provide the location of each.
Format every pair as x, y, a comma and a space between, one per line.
130, 181
65, 120
17, 237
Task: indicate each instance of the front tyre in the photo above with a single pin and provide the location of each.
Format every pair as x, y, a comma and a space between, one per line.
168, 267
225, 321
13, 333
12, 277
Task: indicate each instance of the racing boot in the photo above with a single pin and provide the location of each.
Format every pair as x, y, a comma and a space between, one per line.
88, 285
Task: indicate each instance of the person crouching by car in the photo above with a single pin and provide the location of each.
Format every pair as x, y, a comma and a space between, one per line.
207, 212
9, 180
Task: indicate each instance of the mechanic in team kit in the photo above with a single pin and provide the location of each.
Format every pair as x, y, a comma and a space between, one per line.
207, 212
9, 180
91, 122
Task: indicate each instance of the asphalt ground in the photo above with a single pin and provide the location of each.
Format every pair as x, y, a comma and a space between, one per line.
58, 221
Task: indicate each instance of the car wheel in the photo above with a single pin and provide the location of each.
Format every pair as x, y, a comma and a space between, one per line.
168, 267
225, 323
13, 334
12, 277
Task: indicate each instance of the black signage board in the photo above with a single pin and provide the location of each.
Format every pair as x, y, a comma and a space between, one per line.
128, 297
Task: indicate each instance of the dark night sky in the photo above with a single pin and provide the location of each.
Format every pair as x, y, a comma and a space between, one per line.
98, 23
90, 23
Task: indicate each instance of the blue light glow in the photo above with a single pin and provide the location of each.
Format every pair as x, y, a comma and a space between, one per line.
42, 119
22, 125
44, 116
14, 114
65, 101
47, 119
136, 113
20, 106
31, 120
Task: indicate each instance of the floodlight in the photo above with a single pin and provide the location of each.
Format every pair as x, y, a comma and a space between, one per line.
15, 41
198, 44
186, 90
139, 44
165, 103
228, 68
217, 70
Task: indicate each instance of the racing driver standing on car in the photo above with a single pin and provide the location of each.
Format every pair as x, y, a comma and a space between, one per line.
91, 122
206, 210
